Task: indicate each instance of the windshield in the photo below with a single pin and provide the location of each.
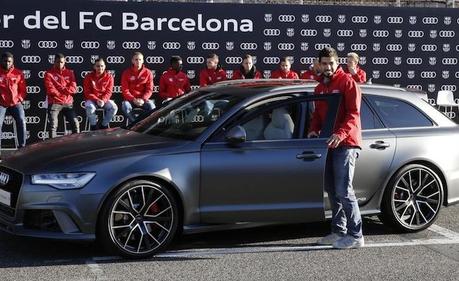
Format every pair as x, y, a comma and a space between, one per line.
188, 116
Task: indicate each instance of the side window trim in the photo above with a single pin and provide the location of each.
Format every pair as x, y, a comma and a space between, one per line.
374, 112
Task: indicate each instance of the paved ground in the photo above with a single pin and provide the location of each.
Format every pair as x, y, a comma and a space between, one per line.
285, 252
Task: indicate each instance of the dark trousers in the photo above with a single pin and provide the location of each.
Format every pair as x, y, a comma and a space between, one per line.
70, 116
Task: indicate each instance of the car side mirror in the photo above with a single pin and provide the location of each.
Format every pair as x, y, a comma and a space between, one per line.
236, 135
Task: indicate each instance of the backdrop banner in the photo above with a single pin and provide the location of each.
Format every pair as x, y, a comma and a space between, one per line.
407, 47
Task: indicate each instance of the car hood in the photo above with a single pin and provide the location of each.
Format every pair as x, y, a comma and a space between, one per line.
80, 149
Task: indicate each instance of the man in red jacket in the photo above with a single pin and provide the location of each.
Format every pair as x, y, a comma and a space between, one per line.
174, 82
12, 93
284, 71
313, 73
212, 73
343, 145
247, 70
137, 87
353, 69
98, 89
60, 87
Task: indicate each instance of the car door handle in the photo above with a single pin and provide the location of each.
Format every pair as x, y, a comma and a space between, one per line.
308, 155
380, 145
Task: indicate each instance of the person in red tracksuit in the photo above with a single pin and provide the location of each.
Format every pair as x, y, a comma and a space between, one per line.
12, 93
343, 146
313, 73
247, 70
353, 69
98, 89
137, 87
284, 71
174, 82
212, 73
60, 87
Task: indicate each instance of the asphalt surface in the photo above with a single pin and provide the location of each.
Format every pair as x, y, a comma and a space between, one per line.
284, 252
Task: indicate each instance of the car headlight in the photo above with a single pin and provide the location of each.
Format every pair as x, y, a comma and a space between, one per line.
63, 180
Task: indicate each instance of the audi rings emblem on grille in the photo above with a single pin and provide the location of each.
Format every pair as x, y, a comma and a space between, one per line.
30, 59
90, 45
6, 44
115, 59
74, 59
210, 46
285, 46
131, 45
271, 32
47, 44
233, 60
271, 60
380, 33
308, 32
323, 18
248, 46
171, 45
154, 59
286, 18
195, 60
32, 89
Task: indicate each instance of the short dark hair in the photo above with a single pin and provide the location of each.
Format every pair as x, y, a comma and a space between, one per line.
328, 52
247, 56
284, 59
58, 56
212, 56
7, 55
99, 60
175, 59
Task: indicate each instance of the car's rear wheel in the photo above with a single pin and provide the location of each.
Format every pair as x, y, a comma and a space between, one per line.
139, 219
413, 198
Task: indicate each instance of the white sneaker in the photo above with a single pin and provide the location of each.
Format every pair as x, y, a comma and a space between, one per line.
329, 239
349, 242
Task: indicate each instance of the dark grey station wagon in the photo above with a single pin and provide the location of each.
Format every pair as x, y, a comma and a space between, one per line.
229, 153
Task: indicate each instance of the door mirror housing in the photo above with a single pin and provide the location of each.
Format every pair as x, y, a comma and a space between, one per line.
236, 135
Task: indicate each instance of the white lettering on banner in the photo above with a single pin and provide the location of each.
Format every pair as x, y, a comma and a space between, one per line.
49, 22
5, 21
130, 21
84, 20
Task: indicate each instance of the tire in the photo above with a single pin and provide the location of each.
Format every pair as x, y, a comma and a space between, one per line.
138, 220
412, 199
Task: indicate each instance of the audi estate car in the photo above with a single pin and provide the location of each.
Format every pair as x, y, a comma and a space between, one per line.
231, 153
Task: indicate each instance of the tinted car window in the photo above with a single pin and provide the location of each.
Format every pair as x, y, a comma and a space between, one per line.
399, 114
368, 118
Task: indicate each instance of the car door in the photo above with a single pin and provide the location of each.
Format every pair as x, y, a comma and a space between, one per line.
266, 178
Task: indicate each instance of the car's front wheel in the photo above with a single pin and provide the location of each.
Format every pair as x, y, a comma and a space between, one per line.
138, 220
413, 198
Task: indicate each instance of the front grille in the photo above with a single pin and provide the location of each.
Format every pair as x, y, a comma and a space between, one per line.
10, 181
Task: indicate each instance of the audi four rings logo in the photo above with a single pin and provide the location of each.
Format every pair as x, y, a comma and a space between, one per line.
286, 18
345, 33
131, 45
285, 46
115, 59
154, 59
84, 73
449, 88
74, 59
248, 46
429, 48
449, 61
32, 120
308, 32
90, 45
30, 59
415, 33
6, 44
118, 118
323, 18
47, 44
394, 47
233, 60
414, 61
306, 60
171, 45
447, 33
393, 74
195, 60
358, 47
33, 89
359, 19
429, 20
271, 60
380, 60
394, 20
428, 74
320, 46
271, 32
380, 33
210, 46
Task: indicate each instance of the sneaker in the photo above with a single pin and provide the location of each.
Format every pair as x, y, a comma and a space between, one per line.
329, 239
349, 242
